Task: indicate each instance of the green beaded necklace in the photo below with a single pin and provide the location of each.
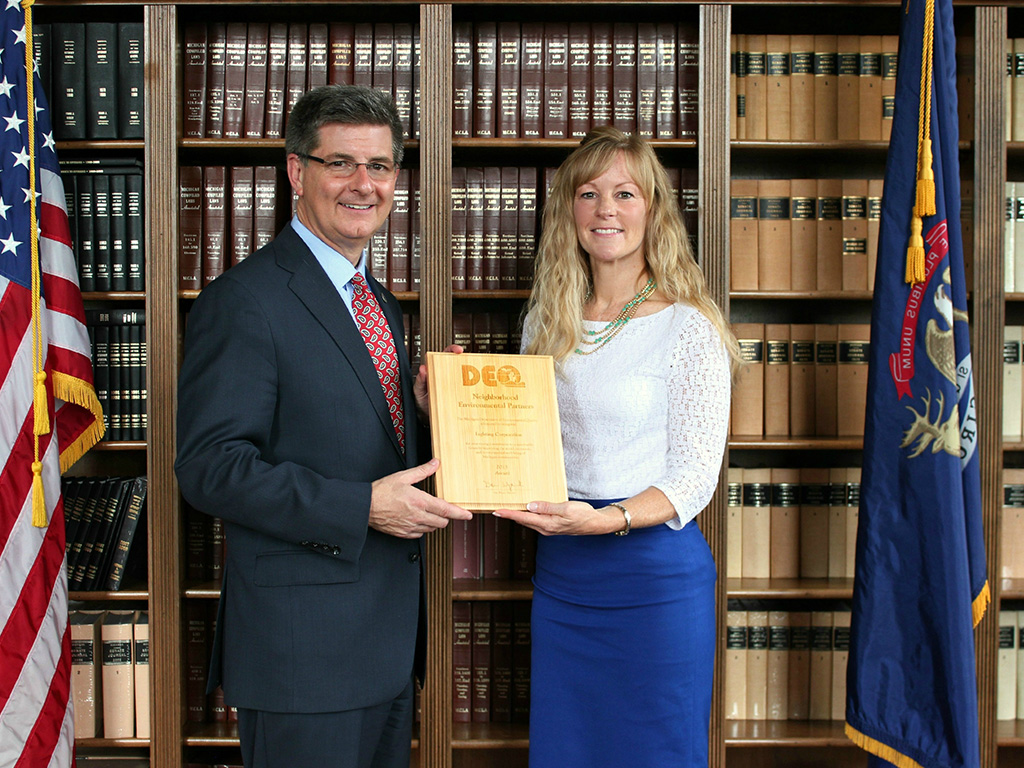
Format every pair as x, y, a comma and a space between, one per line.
598, 339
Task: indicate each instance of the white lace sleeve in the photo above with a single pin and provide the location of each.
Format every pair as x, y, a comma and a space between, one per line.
698, 418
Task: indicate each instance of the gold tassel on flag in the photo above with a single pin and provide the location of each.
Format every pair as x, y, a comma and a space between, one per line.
925, 192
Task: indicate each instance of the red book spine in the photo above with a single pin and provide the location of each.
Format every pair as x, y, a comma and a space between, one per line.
458, 228
465, 536
462, 662
403, 75
317, 56
497, 533
500, 342
556, 80
688, 68
509, 54
193, 122
398, 235
462, 334
492, 228
646, 79
481, 696
527, 223
264, 205
215, 223
666, 120
482, 344
190, 227
532, 81
384, 57
242, 212
602, 58
462, 79
415, 240
255, 110
234, 80
624, 76
508, 228
362, 63
196, 647
295, 74
485, 78
524, 546
580, 83
501, 662
216, 47
277, 74
520, 661
474, 228
342, 39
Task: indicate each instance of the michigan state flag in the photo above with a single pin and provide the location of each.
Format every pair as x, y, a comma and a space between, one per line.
920, 582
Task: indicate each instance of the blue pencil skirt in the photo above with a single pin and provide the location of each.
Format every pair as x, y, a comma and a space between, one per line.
623, 646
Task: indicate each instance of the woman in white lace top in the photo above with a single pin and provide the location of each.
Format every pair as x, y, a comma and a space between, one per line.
623, 626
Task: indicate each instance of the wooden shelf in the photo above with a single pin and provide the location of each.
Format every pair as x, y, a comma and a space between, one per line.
75, 146
119, 595
776, 442
113, 295
516, 293
225, 734
790, 589
490, 735
400, 295
491, 589
802, 295
1010, 733
120, 445
1011, 589
786, 733
533, 144
100, 742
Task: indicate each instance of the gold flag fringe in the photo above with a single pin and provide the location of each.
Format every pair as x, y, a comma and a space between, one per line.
74, 390
879, 749
981, 603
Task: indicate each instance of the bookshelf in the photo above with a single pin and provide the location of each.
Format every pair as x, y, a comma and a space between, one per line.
439, 743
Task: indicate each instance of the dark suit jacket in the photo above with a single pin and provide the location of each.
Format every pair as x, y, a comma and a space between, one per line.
282, 426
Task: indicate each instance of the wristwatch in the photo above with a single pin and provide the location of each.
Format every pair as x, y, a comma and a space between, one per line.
625, 514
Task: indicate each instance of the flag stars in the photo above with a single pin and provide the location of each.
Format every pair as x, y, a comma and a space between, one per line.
5, 87
10, 245
12, 4
19, 35
21, 158
48, 142
14, 122
28, 193
4, 208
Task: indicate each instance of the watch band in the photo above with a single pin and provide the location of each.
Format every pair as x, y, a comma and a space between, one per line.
625, 514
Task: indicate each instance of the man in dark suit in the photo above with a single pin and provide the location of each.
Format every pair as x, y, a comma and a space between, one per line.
297, 424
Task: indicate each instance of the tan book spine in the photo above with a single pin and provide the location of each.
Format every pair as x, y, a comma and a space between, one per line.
756, 523
757, 102
1020, 663
852, 377
852, 518
757, 665
870, 87
1006, 667
1008, 90
814, 521
118, 676
803, 248
801, 381
743, 231
825, 379
779, 649
1011, 536
734, 525
890, 45
739, 92
773, 235
1012, 378
799, 694
778, 88
86, 666
140, 631
736, 665
785, 523
826, 88
776, 379
830, 234
748, 391
875, 187
820, 706
848, 87
837, 522
801, 87
1018, 234
1009, 236
1017, 90
840, 657
855, 234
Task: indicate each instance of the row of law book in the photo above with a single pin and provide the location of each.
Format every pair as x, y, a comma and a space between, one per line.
1014, 94
200, 618
1010, 666
241, 79
1013, 238
804, 234
105, 525
1011, 543
487, 332
813, 87
786, 665
1013, 382
93, 73
786, 523
488, 547
557, 80
205, 547
801, 380
110, 674
118, 340
104, 203
491, 661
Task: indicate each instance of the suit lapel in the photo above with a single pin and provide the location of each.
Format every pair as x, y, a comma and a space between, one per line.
314, 289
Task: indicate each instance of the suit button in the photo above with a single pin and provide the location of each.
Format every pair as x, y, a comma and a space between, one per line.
336, 551
414, 557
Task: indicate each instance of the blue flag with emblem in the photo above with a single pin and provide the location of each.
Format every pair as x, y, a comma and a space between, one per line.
920, 583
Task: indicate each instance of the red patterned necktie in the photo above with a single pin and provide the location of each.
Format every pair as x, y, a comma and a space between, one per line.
381, 344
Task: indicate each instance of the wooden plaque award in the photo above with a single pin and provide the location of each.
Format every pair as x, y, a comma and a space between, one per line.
494, 426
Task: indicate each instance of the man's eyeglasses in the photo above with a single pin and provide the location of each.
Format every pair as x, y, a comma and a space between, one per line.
376, 170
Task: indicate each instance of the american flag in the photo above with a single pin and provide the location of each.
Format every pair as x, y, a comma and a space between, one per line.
42, 326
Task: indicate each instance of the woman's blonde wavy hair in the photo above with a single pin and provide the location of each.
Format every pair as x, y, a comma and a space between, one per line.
563, 277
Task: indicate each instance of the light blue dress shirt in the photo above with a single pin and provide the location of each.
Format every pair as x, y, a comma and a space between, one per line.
338, 268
